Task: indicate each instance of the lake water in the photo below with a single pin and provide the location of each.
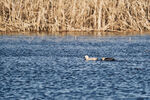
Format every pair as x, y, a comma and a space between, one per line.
53, 68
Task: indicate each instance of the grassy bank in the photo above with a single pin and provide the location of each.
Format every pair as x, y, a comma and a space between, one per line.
74, 15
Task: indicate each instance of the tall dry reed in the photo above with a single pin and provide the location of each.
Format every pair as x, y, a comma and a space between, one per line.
74, 15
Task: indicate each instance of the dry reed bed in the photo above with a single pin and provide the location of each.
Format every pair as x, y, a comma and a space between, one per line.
74, 15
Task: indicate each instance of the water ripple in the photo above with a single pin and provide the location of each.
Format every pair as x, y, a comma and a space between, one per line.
53, 68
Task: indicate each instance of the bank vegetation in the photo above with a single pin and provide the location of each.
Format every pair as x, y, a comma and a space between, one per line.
74, 15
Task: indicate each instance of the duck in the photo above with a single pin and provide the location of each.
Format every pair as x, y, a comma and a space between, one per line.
107, 59
87, 58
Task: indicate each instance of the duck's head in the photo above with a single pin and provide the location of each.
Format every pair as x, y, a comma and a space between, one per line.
103, 58
86, 56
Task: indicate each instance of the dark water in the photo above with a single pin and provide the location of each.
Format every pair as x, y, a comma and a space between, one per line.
53, 68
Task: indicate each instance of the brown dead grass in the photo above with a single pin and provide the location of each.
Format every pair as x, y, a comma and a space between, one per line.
74, 15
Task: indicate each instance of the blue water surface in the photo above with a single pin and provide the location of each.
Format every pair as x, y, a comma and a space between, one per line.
53, 68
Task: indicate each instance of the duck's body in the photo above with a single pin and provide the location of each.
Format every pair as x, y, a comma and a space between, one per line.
90, 58
107, 59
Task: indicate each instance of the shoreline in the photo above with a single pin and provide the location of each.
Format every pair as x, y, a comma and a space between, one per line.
77, 33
